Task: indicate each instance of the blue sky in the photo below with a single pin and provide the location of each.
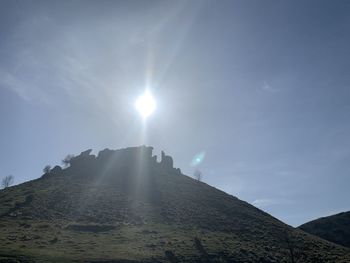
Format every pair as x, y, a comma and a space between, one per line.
262, 87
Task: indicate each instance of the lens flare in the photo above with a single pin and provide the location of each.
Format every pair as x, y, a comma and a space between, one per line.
197, 159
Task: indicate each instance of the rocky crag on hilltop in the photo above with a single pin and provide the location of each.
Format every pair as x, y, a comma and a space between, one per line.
125, 206
129, 171
118, 159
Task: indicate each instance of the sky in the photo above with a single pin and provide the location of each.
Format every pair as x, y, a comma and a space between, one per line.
261, 89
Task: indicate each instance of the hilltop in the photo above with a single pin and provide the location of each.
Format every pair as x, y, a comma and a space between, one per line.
125, 206
335, 228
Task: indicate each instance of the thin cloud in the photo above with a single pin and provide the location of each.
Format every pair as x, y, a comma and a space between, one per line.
266, 202
267, 87
9, 81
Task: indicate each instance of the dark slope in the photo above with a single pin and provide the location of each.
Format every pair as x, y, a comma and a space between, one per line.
124, 205
335, 228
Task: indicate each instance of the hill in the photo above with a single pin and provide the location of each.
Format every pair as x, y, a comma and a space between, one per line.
125, 206
335, 228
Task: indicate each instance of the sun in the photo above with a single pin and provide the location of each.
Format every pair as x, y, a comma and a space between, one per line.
145, 104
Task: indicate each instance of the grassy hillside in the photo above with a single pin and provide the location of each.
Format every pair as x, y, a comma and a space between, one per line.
335, 228
123, 206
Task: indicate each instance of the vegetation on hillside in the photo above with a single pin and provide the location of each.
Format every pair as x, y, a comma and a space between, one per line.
124, 206
7, 181
335, 228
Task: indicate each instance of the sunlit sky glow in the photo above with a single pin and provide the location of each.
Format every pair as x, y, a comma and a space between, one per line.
262, 87
145, 104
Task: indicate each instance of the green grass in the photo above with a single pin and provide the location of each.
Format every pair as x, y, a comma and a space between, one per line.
116, 214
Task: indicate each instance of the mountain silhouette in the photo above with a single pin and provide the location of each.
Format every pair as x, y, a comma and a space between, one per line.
125, 206
334, 228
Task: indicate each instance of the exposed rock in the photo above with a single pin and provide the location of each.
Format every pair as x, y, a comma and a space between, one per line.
86, 153
56, 170
154, 159
166, 161
82, 159
106, 153
130, 152
122, 160
178, 170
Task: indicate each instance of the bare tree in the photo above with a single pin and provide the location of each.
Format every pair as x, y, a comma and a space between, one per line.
7, 181
47, 169
198, 175
66, 161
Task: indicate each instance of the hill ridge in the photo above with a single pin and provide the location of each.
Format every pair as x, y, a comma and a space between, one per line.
125, 205
334, 228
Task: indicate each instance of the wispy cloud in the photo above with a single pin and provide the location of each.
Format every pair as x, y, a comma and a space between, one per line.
63, 61
266, 202
9, 81
267, 87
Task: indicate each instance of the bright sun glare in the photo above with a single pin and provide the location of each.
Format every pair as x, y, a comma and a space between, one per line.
145, 104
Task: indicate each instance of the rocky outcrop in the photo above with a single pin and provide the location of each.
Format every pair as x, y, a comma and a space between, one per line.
121, 160
82, 159
86, 153
130, 152
56, 170
166, 161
